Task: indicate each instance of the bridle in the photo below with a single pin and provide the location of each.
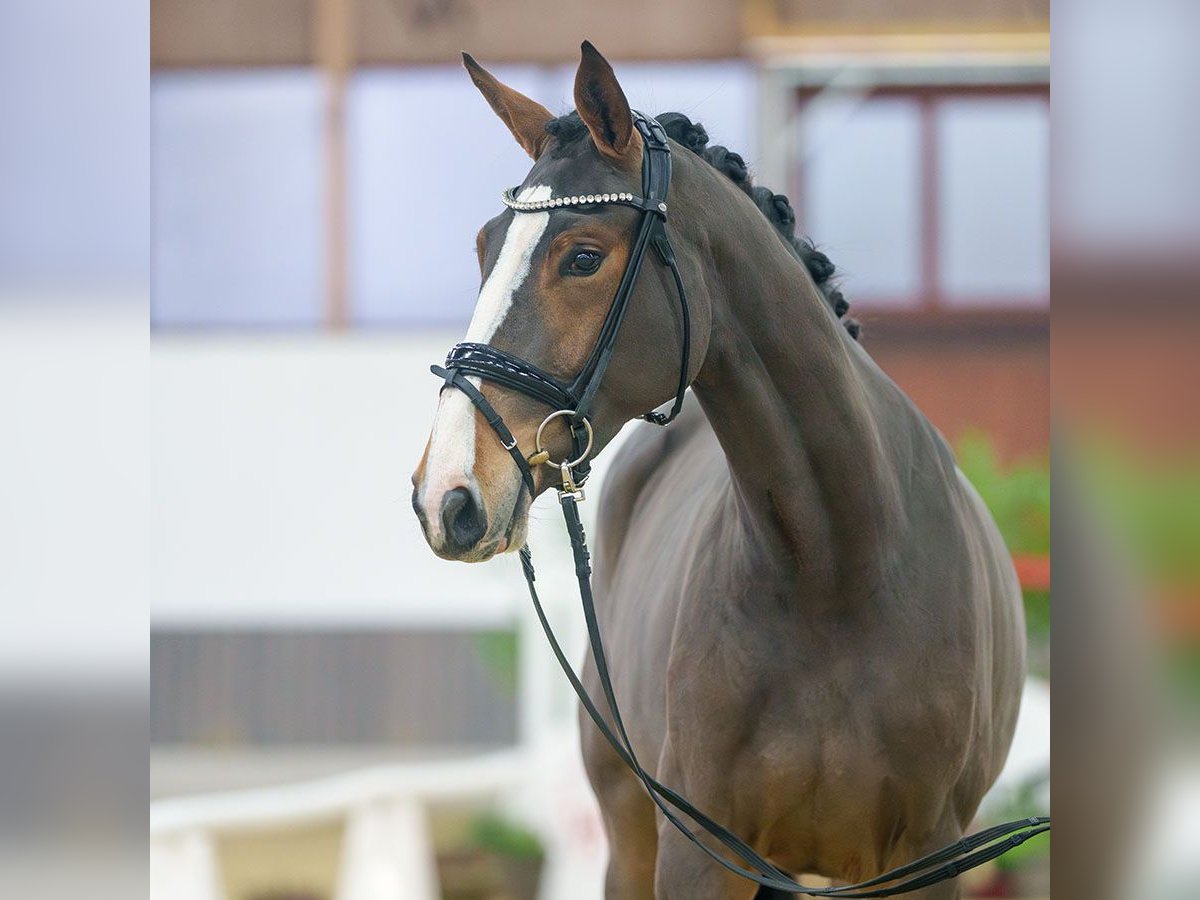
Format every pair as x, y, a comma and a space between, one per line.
572, 402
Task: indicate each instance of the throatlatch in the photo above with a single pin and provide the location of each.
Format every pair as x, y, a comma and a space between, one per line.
573, 402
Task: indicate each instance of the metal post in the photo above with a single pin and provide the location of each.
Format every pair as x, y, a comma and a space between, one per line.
183, 866
387, 853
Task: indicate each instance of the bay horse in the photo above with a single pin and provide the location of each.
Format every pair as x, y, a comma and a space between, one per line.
816, 631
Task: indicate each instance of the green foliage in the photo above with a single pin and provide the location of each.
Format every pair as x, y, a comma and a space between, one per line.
1018, 496
492, 832
1181, 673
1154, 508
1037, 619
499, 652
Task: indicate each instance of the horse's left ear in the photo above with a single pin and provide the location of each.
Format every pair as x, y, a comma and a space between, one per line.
602, 106
525, 118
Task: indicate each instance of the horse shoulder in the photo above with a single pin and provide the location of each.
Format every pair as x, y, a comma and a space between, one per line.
634, 466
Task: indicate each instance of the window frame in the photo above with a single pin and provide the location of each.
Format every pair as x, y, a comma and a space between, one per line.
931, 304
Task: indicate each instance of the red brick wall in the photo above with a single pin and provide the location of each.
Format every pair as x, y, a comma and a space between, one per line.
992, 377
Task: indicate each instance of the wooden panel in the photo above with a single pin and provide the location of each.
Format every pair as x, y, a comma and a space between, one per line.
281, 32
231, 32
268, 688
544, 30
818, 16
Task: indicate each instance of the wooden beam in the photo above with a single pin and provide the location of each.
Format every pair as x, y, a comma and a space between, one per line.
333, 29
931, 203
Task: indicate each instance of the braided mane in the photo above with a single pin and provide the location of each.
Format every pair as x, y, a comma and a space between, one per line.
774, 206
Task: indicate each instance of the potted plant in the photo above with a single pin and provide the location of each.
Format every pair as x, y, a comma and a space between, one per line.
516, 851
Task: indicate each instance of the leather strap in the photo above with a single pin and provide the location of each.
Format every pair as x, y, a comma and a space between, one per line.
455, 378
512, 372
651, 229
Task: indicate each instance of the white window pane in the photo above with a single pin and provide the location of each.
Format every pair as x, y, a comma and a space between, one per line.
238, 198
862, 194
428, 160
74, 149
1132, 183
994, 200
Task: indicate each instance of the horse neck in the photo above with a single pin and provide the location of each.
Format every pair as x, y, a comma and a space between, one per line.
796, 406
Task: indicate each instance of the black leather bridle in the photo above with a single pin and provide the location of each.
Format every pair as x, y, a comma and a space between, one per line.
573, 402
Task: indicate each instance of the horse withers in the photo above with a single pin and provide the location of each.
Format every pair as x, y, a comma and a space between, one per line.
815, 629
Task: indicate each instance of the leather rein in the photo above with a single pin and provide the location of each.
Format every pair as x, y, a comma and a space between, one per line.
572, 402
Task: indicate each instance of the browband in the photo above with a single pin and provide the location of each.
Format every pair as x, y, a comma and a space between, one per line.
510, 200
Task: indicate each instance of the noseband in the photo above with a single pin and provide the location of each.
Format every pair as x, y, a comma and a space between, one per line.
572, 402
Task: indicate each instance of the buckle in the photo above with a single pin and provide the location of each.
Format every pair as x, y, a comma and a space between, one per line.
569, 488
651, 131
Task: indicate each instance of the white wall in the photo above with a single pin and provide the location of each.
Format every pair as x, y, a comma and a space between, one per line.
281, 492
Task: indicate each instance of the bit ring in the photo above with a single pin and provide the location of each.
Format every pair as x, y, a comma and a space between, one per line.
537, 440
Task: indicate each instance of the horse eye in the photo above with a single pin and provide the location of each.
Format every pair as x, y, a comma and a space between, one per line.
584, 262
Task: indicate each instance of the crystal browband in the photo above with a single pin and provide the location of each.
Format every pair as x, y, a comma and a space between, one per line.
510, 200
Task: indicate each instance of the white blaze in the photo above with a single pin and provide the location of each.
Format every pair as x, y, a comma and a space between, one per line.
452, 444
512, 266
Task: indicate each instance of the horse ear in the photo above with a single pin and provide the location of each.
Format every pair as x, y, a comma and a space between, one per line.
602, 105
525, 118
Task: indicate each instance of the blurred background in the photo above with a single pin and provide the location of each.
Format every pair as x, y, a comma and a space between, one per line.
334, 714
334, 711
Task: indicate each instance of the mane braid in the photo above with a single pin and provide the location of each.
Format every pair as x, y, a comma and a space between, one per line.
570, 128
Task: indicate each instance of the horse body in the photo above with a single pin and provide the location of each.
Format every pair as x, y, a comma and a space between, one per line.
841, 747
820, 636
814, 629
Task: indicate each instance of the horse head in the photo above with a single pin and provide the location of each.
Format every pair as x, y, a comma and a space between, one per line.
551, 265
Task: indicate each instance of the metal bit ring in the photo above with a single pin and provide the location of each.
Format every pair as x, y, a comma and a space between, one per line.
537, 440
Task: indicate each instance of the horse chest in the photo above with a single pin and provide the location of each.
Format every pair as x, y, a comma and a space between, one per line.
804, 717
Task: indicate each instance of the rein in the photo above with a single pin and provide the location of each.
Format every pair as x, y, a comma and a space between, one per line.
572, 402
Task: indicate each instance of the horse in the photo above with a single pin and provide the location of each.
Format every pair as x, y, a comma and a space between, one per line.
815, 629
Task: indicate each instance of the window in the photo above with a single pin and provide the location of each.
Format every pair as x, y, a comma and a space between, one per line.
993, 239
934, 199
237, 199
859, 193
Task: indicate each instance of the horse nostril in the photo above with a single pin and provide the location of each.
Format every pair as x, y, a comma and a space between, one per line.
462, 519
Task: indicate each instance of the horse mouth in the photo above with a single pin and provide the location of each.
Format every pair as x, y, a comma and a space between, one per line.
518, 526
510, 539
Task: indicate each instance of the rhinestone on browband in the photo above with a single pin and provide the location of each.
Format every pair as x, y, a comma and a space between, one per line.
555, 202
